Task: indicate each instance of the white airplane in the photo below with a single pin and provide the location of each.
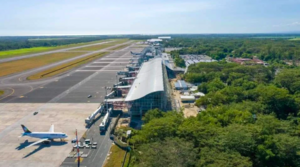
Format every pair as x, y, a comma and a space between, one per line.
44, 136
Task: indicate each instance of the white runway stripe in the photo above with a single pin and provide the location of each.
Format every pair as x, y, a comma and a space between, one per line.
94, 70
111, 62
114, 58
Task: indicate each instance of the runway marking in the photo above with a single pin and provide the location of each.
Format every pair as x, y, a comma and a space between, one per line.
105, 137
117, 65
94, 70
111, 62
114, 58
107, 154
13, 91
95, 66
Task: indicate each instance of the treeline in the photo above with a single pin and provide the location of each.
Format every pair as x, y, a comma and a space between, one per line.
267, 49
251, 119
179, 62
10, 43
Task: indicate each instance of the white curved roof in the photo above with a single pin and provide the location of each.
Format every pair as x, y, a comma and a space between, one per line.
148, 80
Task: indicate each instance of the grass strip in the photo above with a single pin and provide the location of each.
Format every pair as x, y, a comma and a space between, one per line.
120, 47
24, 51
1, 92
102, 46
16, 66
116, 157
65, 67
295, 39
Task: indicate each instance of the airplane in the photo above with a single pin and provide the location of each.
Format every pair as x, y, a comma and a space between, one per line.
134, 53
44, 136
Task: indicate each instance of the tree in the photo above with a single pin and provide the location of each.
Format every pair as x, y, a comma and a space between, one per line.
277, 100
172, 152
210, 157
152, 114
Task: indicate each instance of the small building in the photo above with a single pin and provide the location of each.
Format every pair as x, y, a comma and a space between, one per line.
165, 37
194, 88
187, 99
181, 85
198, 94
246, 61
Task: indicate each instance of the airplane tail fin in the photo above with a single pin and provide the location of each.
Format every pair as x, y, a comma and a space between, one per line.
26, 130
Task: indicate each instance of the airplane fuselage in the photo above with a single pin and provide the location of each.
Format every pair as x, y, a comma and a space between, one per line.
49, 135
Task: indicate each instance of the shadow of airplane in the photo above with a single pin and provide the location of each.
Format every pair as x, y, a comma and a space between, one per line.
41, 146
23, 145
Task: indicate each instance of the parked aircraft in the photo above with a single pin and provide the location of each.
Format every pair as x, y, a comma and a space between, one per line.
44, 136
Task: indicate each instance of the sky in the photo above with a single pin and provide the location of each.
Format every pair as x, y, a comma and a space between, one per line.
99, 17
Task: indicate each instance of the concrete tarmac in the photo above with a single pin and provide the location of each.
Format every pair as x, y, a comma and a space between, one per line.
61, 101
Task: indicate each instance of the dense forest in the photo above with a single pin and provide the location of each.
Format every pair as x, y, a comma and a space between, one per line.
267, 49
251, 119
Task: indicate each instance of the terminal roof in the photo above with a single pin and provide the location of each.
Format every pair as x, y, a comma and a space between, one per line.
148, 80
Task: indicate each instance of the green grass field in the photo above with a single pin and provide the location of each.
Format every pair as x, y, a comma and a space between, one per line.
48, 39
116, 157
1, 92
11, 67
24, 51
11, 53
295, 39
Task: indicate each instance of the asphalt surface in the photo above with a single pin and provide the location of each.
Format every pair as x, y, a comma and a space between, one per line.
35, 91
72, 87
49, 52
94, 157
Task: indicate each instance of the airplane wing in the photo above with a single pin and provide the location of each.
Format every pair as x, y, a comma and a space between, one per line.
37, 142
51, 128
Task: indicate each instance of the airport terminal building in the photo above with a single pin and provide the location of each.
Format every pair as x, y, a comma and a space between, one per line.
149, 90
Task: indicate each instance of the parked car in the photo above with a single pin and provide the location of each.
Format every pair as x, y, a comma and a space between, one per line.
111, 137
73, 140
87, 141
89, 96
35, 113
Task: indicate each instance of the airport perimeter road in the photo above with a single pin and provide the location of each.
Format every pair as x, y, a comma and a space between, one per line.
44, 90
49, 52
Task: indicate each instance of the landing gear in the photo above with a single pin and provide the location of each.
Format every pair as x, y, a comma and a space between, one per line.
46, 142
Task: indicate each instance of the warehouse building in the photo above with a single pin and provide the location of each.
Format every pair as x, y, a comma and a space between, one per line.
181, 85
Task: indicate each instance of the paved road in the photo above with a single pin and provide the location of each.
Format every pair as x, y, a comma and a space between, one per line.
49, 52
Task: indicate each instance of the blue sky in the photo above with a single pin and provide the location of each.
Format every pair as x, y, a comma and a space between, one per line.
84, 17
